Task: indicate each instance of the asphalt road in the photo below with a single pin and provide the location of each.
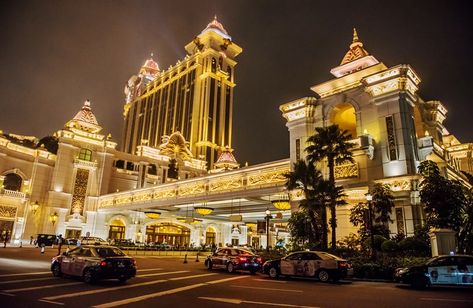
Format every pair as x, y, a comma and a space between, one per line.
25, 281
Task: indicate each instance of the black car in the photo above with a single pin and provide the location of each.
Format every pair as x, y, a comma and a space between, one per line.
441, 270
94, 262
233, 259
318, 264
46, 240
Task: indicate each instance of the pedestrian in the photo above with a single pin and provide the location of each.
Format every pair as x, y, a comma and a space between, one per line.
59, 244
5, 240
31, 240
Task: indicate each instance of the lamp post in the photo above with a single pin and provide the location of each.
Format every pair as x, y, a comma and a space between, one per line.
369, 198
268, 217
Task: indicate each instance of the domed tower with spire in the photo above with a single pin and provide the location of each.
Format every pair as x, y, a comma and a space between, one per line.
194, 97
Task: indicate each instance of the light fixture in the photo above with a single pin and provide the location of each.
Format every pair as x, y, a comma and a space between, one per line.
282, 202
203, 210
268, 212
181, 219
369, 197
152, 214
34, 207
53, 218
196, 221
251, 225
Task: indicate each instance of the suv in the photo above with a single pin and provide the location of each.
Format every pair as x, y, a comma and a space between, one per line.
93, 263
233, 259
45, 239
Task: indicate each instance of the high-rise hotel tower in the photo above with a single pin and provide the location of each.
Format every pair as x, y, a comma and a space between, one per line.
193, 97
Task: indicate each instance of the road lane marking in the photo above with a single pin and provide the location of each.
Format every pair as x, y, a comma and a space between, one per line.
269, 280
28, 280
269, 289
51, 302
7, 294
160, 274
193, 276
149, 269
166, 292
25, 274
445, 299
67, 295
43, 287
237, 301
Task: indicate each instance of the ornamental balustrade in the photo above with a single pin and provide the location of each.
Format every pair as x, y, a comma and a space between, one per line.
12, 194
246, 179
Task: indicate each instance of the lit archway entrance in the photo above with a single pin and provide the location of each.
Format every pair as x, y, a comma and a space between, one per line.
210, 236
344, 115
117, 230
168, 233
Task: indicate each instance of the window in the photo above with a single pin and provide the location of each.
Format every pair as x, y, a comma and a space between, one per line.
311, 256
109, 252
392, 152
85, 154
298, 149
13, 182
295, 256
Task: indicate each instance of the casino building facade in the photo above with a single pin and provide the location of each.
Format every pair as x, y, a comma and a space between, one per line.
176, 180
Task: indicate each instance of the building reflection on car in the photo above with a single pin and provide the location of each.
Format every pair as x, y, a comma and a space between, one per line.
318, 264
233, 259
94, 262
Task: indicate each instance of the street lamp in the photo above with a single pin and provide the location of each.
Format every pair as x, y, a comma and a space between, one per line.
369, 198
268, 217
34, 207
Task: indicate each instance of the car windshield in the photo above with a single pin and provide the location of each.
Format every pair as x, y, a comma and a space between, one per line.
327, 256
105, 252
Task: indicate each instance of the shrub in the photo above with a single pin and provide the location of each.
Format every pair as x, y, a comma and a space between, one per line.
414, 246
389, 246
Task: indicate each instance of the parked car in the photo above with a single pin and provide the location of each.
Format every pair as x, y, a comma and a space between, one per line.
45, 239
93, 263
441, 270
233, 259
90, 240
318, 264
122, 243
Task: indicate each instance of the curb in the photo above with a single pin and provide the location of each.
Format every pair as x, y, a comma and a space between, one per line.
371, 280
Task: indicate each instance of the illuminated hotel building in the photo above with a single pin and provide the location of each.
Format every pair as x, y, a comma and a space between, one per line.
194, 97
185, 114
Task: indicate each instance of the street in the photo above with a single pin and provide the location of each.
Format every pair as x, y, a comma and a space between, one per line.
25, 281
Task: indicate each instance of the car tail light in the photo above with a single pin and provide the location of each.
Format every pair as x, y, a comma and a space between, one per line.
342, 264
259, 260
241, 259
103, 263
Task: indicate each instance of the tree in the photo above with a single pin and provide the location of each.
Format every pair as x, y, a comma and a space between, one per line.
305, 177
444, 199
383, 203
333, 145
50, 143
302, 229
465, 235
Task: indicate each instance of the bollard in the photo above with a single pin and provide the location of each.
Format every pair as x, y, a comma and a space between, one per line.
197, 257
185, 258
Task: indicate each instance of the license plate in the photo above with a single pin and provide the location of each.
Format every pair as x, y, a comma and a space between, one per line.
120, 264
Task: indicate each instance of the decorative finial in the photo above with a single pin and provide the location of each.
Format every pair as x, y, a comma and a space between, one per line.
355, 36
87, 103
215, 17
152, 54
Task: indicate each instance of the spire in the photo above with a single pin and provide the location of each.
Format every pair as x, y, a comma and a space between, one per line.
216, 26
355, 36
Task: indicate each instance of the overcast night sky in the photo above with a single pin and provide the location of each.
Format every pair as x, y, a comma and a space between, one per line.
56, 54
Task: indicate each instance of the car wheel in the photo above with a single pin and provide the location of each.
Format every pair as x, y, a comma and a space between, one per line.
123, 279
208, 264
273, 273
230, 267
56, 270
323, 276
419, 282
89, 276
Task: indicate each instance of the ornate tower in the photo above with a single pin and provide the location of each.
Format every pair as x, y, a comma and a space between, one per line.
194, 97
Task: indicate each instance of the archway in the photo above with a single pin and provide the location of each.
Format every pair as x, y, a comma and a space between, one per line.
344, 115
13, 182
210, 236
116, 230
168, 233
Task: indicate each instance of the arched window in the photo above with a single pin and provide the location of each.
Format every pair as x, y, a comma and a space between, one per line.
214, 65
85, 154
344, 115
13, 182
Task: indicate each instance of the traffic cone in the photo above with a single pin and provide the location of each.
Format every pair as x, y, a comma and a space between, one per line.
197, 257
42, 249
185, 258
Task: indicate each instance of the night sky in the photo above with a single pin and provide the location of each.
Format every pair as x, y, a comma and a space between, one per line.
56, 54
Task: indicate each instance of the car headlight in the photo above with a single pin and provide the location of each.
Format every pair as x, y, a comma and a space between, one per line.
402, 270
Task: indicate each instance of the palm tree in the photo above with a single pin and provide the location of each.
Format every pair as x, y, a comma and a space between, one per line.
305, 177
333, 145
